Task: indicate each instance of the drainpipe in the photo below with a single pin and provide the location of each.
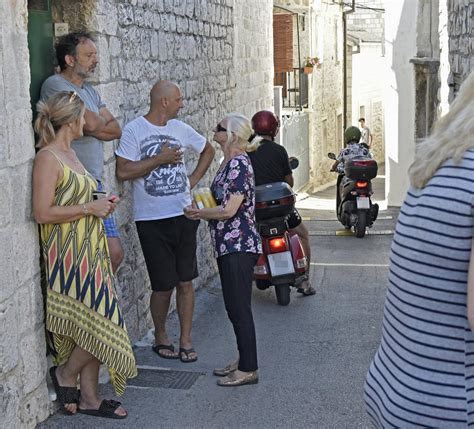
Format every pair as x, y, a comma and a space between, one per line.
300, 73
344, 64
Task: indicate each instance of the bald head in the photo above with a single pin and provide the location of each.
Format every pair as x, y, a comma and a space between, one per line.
163, 89
165, 100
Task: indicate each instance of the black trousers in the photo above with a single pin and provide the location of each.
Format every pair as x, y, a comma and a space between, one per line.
236, 270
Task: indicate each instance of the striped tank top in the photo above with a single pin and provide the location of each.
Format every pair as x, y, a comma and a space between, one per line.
423, 372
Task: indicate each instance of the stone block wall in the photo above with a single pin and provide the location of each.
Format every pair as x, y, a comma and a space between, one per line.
253, 57
326, 99
218, 51
461, 40
368, 18
23, 395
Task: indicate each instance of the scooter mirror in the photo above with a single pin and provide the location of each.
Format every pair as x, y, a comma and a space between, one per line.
331, 156
294, 162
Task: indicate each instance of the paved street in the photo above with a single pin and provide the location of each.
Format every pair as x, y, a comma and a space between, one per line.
313, 354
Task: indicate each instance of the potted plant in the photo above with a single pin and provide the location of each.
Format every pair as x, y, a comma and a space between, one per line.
310, 63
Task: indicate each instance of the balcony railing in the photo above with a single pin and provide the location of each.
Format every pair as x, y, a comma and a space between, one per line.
295, 88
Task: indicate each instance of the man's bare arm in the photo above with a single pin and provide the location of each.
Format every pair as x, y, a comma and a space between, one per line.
205, 159
128, 170
102, 125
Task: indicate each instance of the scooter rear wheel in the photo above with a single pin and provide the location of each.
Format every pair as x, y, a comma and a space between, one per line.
282, 293
361, 223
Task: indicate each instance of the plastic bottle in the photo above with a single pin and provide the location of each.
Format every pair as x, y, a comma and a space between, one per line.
208, 198
198, 199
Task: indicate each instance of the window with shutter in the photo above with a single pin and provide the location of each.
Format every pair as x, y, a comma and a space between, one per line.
288, 74
283, 42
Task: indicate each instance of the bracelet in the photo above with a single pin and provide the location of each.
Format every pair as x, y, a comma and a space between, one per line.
84, 209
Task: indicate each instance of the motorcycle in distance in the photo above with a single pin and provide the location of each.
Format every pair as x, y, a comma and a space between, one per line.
283, 263
354, 206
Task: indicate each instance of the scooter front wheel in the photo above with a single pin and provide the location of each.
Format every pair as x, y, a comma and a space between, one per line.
282, 293
361, 223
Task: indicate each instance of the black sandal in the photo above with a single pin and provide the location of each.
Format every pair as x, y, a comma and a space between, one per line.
64, 394
186, 353
169, 347
106, 409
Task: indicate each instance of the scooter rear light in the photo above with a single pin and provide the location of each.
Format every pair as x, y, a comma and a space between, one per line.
287, 200
361, 184
277, 245
301, 263
260, 270
280, 202
363, 163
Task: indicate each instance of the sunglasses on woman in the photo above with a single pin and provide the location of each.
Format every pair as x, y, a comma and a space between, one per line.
220, 128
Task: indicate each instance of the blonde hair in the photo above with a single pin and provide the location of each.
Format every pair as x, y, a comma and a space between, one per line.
62, 108
452, 135
241, 126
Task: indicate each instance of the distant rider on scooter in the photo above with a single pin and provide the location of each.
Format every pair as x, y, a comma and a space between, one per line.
271, 164
352, 149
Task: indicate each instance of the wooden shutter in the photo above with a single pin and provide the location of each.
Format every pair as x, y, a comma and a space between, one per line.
283, 42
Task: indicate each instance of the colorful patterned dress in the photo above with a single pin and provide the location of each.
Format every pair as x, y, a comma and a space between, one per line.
81, 303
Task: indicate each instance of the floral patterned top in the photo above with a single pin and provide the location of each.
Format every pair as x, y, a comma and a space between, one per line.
352, 150
239, 233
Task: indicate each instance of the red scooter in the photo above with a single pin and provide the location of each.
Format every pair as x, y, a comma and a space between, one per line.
283, 263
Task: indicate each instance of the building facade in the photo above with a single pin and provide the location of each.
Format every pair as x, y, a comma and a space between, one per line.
365, 29
429, 53
317, 31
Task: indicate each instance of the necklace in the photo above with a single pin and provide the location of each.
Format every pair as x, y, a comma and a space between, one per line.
69, 154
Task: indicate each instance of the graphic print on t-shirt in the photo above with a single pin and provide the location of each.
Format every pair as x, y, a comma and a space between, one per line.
166, 179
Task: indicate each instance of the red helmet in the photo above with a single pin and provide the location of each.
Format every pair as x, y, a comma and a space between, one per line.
265, 123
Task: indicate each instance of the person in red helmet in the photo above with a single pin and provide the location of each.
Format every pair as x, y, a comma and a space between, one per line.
271, 164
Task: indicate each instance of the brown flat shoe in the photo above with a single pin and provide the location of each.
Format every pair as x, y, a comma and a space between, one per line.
310, 290
233, 380
222, 372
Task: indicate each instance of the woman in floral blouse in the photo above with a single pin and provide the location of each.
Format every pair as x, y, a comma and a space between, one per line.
236, 241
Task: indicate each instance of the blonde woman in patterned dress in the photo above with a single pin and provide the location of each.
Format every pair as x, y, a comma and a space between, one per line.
84, 322
236, 240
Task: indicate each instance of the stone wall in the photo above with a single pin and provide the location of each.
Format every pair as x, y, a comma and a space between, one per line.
368, 18
253, 57
218, 51
461, 45
23, 395
327, 95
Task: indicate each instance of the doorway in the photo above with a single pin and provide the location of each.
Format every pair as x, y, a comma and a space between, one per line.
40, 46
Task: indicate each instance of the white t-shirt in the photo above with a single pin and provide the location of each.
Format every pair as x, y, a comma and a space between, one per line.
164, 192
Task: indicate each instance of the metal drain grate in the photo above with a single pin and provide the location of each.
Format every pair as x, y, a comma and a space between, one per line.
164, 378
